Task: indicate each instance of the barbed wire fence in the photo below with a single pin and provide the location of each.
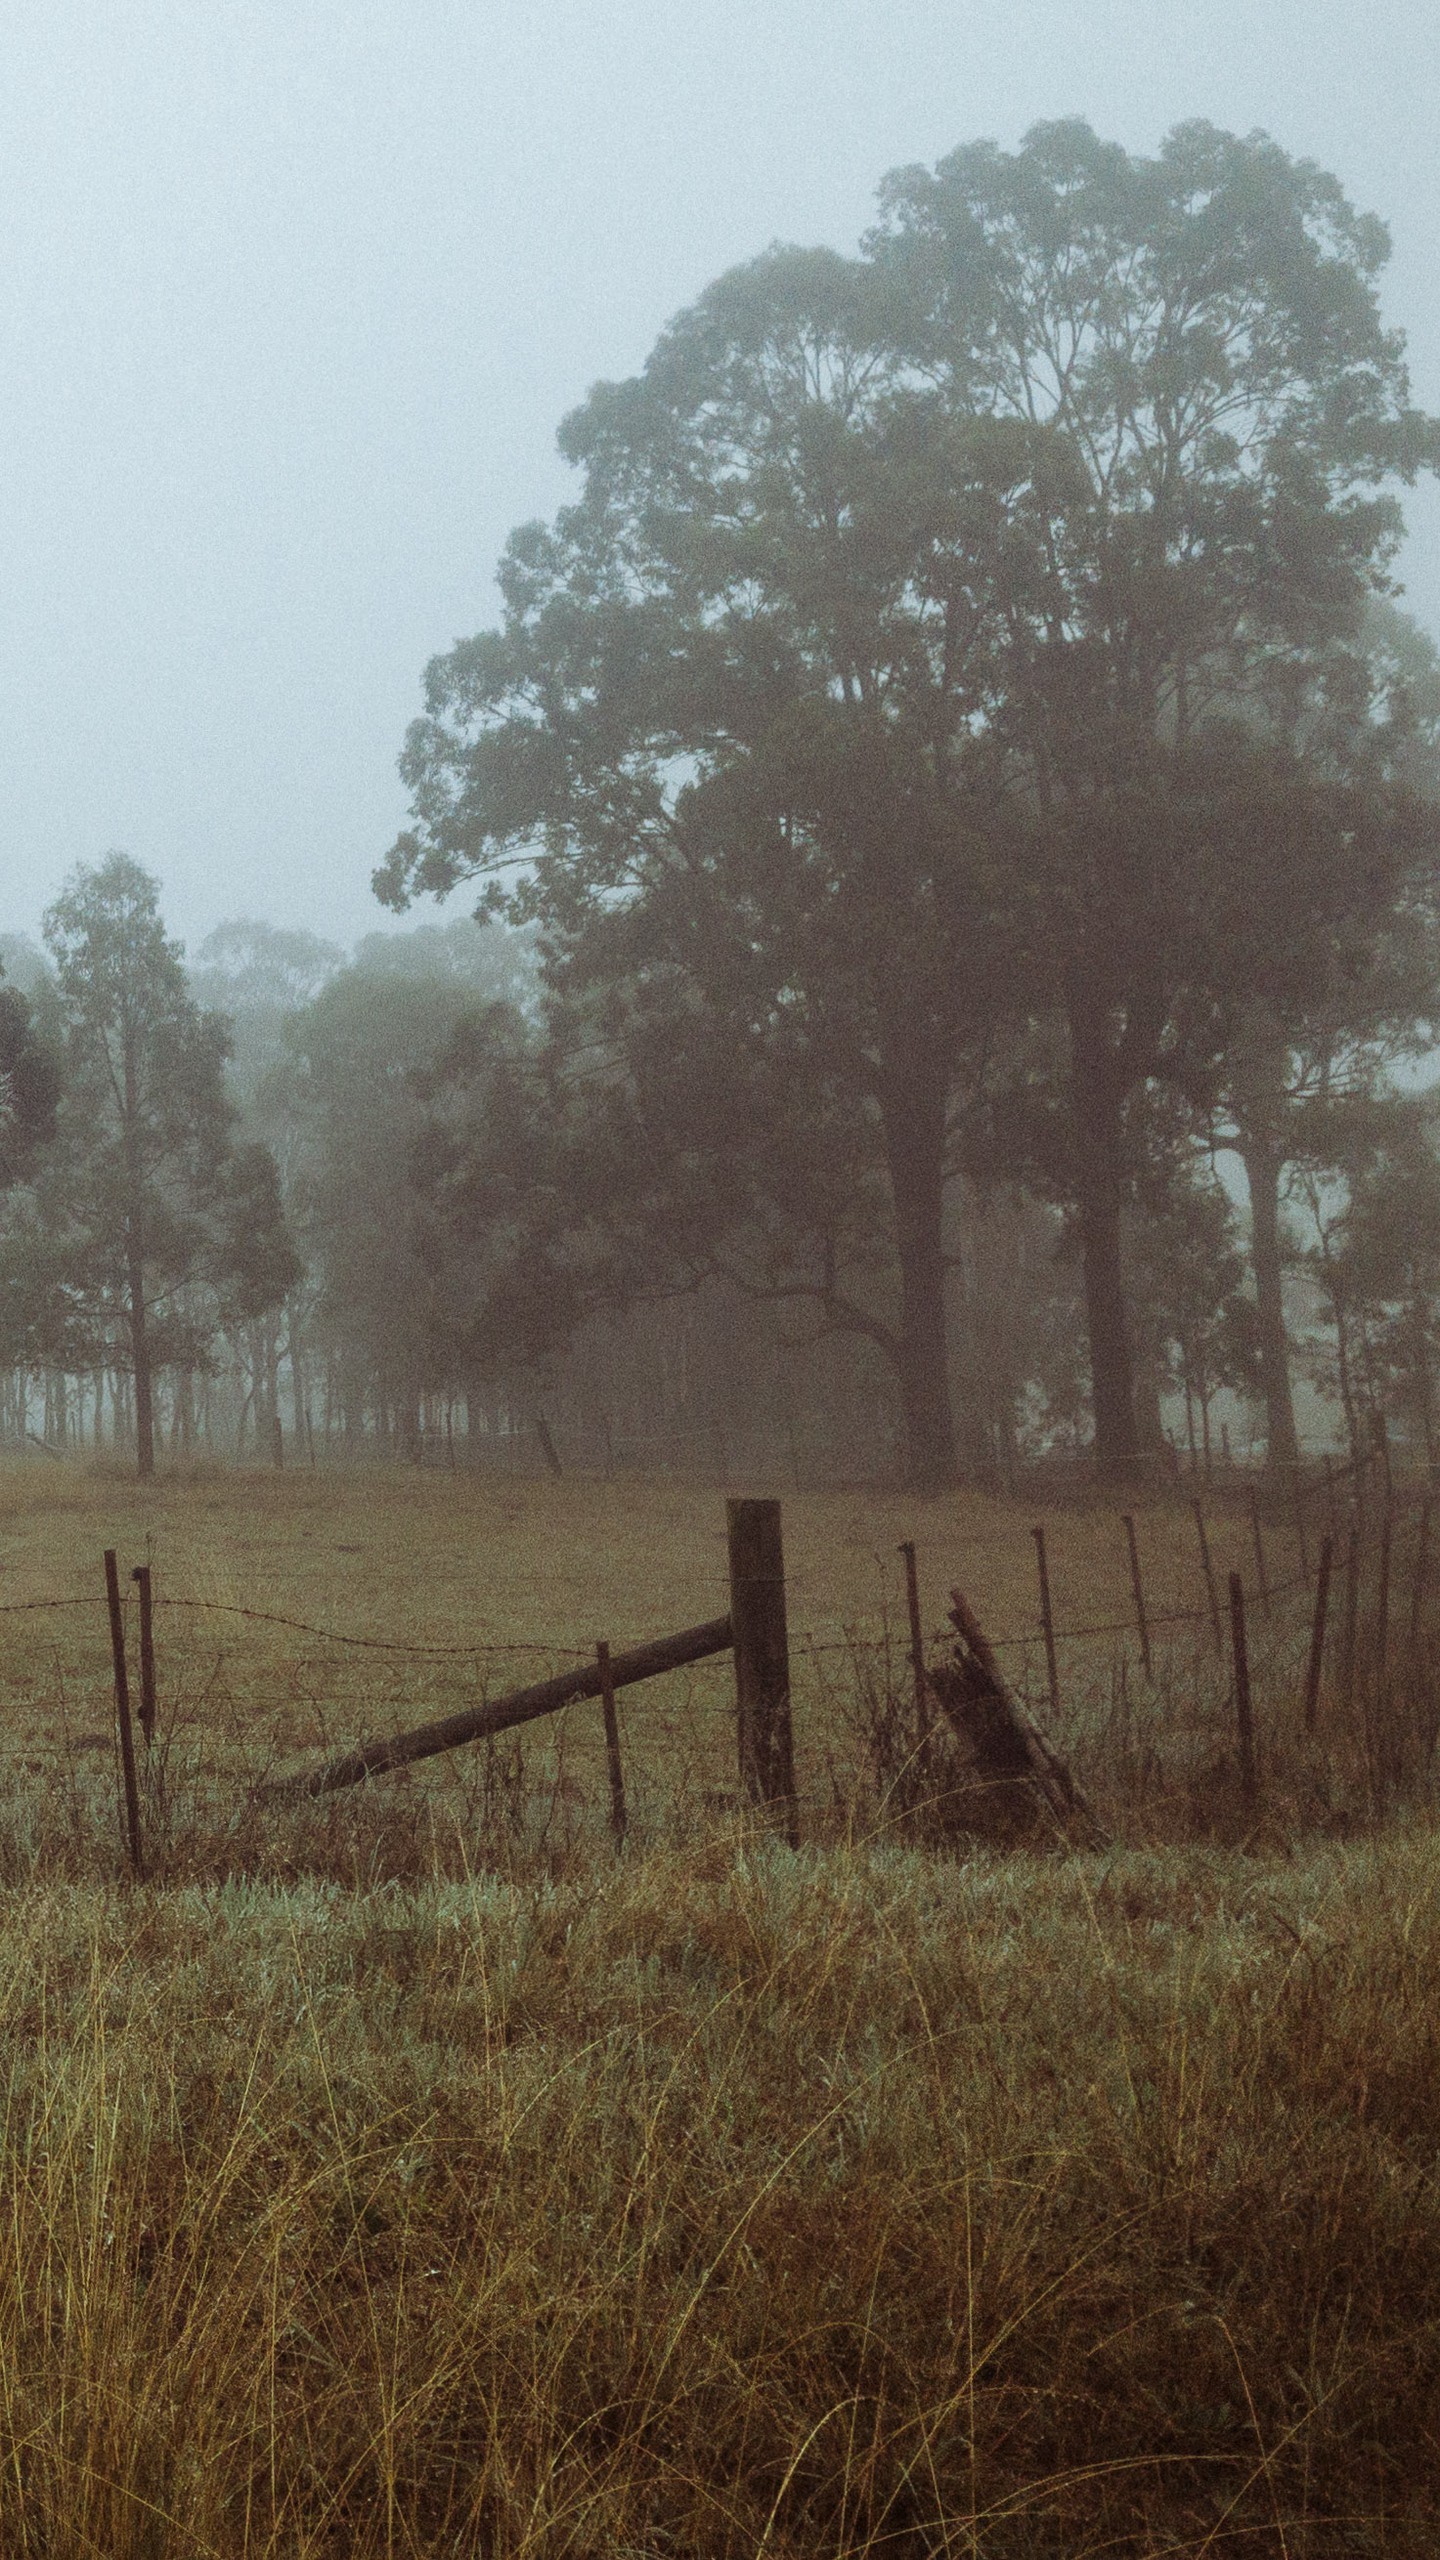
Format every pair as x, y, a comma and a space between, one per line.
1358, 1508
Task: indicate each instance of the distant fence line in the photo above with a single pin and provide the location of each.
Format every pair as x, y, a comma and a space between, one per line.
756, 1632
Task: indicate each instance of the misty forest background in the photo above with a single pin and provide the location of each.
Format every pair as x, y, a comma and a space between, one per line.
954, 810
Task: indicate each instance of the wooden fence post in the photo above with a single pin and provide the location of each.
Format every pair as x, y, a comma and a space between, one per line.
1047, 1620
1138, 1588
923, 1718
1244, 1721
141, 1578
122, 1713
1317, 1632
1208, 1569
612, 1746
762, 1657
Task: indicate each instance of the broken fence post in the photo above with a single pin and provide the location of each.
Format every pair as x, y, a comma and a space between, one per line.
762, 1657
1244, 1720
131, 1792
1008, 1747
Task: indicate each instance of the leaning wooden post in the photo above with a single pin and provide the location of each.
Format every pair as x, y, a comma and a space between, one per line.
612, 1746
1138, 1588
141, 1578
1317, 1632
1208, 1569
762, 1657
1422, 1566
917, 1650
1244, 1720
122, 1712
1047, 1619
1262, 1580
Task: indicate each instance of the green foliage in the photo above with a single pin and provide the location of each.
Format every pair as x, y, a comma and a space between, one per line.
905, 688
143, 1226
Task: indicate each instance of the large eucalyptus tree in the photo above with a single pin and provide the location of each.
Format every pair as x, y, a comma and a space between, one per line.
871, 700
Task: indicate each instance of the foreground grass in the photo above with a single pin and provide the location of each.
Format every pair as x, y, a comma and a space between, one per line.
715, 2201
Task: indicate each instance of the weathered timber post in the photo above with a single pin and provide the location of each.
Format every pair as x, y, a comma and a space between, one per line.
131, 1791
612, 1746
762, 1657
1047, 1618
1208, 1569
923, 1718
548, 1449
141, 1578
1138, 1588
1244, 1720
1317, 1632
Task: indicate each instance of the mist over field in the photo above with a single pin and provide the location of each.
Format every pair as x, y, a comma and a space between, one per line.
719, 1282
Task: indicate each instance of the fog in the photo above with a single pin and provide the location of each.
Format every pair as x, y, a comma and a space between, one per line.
294, 300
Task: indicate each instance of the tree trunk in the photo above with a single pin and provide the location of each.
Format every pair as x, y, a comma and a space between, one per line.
144, 1380
135, 1268
912, 1113
1099, 1190
1262, 1161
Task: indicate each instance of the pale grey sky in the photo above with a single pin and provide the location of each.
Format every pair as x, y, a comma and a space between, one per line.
295, 293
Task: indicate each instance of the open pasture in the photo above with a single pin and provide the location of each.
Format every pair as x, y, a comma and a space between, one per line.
412, 2178
300, 1611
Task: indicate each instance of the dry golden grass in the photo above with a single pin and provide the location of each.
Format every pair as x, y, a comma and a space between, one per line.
727, 2203
408, 2175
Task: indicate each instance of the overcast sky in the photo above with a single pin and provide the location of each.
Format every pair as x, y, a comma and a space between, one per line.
295, 293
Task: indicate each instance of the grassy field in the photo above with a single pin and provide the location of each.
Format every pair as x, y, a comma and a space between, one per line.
413, 2176
531, 1574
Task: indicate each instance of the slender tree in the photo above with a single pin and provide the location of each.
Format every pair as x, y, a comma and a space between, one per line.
146, 1195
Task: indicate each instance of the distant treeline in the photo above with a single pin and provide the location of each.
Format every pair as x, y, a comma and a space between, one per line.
955, 771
